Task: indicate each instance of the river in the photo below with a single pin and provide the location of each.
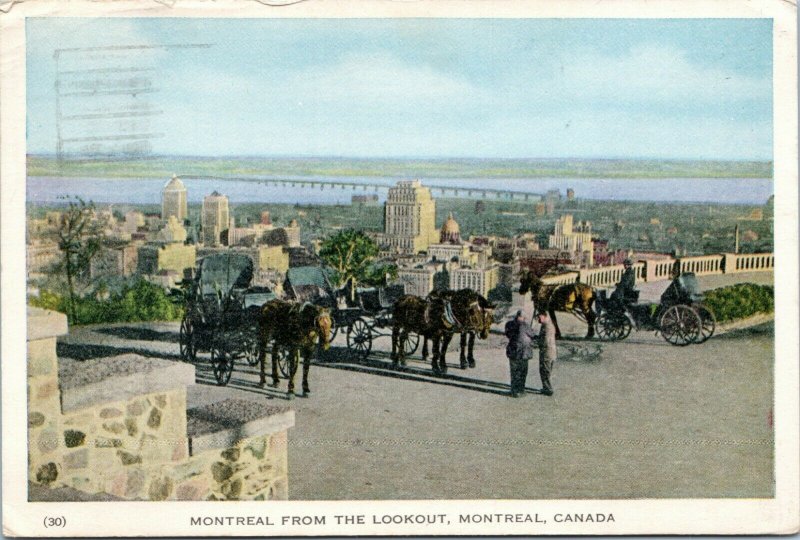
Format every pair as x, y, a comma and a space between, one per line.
42, 189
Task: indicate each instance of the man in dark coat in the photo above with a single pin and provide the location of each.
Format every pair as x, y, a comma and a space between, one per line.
625, 291
519, 350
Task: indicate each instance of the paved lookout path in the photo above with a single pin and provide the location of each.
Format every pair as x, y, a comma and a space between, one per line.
646, 420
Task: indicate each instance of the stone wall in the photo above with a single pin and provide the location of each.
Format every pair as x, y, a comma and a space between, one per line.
122, 426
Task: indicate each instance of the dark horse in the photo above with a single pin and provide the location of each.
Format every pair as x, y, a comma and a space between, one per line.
296, 328
426, 317
472, 314
575, 298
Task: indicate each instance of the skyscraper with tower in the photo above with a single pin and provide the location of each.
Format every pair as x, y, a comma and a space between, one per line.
173, 200
215, 218
409, 218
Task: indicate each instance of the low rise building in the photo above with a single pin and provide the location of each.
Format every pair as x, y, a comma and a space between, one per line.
479, 279
421, 279
41, 255
117, 260
156, 257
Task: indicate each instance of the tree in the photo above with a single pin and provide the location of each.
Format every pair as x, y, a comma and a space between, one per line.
349, 253
79, 239
380, 274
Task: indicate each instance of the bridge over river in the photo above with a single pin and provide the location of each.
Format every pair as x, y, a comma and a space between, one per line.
646, 420
441, 189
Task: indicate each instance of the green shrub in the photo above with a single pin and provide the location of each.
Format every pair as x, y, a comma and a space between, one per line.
740, 301
138, 301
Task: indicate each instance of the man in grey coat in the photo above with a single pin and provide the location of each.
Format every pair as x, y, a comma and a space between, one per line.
519, 350
547, 351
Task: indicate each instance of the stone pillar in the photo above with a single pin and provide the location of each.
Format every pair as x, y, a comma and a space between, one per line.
650, 273
44, 404
729, 263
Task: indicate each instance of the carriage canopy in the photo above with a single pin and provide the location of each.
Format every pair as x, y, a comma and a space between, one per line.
225, 272
688, 283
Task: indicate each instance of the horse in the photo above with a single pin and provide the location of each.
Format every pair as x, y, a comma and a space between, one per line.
472, 314
426, 317
296, 327
575, 298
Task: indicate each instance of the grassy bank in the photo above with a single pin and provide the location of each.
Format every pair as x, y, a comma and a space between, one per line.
160, 167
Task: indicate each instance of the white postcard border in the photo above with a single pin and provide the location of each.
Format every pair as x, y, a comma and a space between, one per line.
650, 516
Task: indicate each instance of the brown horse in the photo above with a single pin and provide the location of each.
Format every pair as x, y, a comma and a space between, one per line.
296, 328
472, 314
426, 317
575, 298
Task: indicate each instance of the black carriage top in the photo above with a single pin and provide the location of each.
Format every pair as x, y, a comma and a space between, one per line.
225, 272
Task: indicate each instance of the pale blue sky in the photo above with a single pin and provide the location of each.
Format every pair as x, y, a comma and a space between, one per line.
687, 89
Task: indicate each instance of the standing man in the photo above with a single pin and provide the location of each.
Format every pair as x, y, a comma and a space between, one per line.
547, 351
519, 350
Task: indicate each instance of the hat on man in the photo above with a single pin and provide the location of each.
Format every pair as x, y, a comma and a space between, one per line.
519, 314
627, 262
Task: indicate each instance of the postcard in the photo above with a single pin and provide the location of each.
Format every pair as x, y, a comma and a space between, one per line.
399, 268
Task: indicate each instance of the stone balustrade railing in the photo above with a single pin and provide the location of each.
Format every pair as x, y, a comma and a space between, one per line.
755, 262
661, 269
561, 279
703, 266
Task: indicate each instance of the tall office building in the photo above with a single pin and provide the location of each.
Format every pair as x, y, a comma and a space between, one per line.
173, 200
409, 218
215, 219
573, 237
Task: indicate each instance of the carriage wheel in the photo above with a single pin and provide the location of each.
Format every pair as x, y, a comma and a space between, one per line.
709, 323
359, 339
680, 325
284, 359
612, 327
411, 344
187, 341
221, 362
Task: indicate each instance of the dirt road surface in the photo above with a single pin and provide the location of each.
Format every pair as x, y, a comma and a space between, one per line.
646, 419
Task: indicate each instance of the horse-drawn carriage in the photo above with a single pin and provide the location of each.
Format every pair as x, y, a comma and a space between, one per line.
360, 313
680, 317
367, 313
221, 313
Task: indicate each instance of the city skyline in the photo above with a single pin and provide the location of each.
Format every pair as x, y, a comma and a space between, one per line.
677, 89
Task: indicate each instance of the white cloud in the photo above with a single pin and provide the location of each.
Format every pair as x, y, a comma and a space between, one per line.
378, 79
654, 73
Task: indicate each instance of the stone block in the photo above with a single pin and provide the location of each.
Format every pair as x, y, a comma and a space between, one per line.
47, 473
73, 438
160, 488
127, 458
136, 407
134, 484
47, 390
279, 490
110, 412
154, 419
42, 359
102, 381
47, 441
223, 424
114, 427
35, 419
180, 451
43, 323
77, 460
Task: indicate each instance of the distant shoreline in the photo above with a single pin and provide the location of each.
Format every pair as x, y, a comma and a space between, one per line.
488, 168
